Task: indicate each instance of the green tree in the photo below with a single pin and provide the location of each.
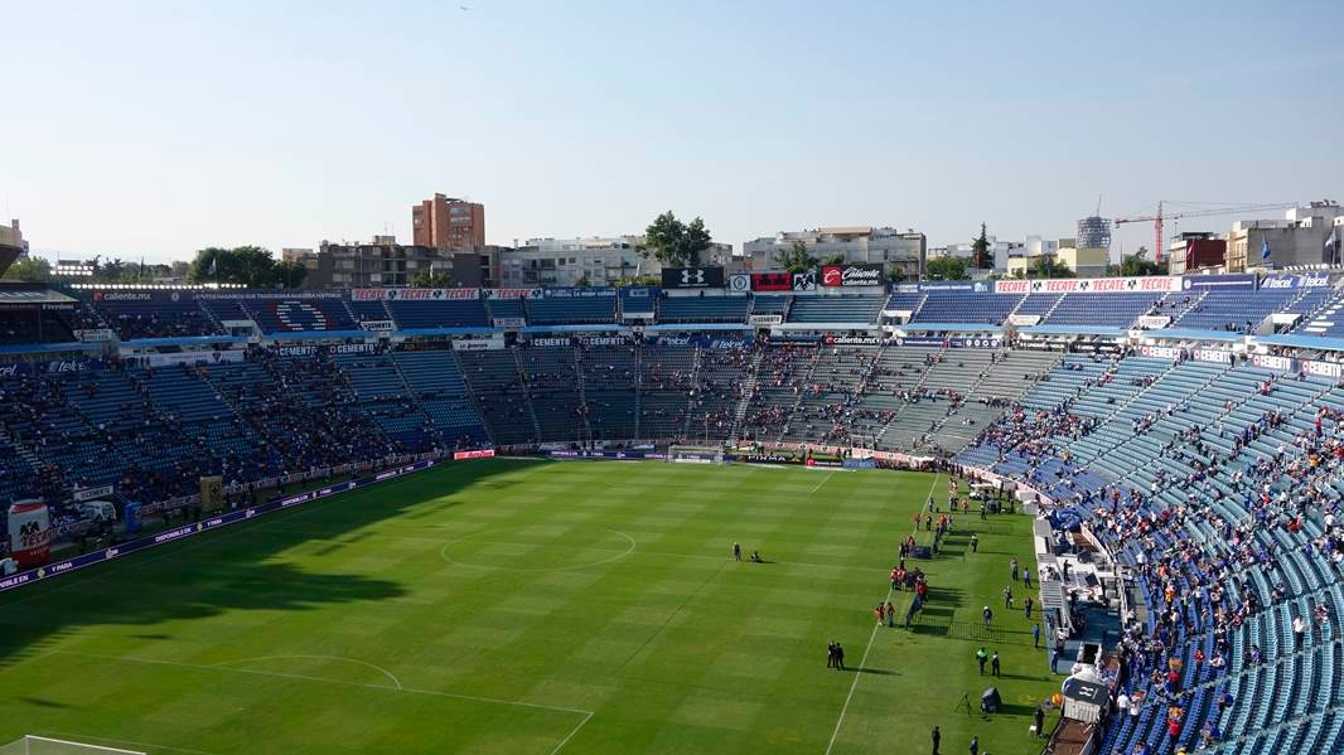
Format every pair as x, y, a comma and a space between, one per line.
945, 269
980, 257
1138, 264
895, 275
432, 279
1046, 266
289, 274
251, 266
674, 243
796, 258
29, 269
834, 259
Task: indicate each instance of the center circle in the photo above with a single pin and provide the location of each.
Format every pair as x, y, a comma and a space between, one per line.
514, 550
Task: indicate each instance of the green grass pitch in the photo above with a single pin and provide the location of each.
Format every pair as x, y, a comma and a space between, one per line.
515, 606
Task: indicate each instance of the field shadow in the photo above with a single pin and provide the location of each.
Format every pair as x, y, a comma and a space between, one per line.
230, 569
876, 671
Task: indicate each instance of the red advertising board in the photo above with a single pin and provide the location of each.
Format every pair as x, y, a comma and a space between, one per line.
771, 281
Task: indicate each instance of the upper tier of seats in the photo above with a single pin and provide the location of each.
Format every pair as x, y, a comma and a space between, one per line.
703, 309
966, 307
158, 313
837, 309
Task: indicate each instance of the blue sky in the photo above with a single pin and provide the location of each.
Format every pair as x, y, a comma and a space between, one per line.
157, 128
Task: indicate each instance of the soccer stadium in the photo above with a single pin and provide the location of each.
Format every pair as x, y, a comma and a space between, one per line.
1021, 516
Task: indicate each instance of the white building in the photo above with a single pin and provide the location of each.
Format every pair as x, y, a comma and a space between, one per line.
1298, 239
897, 250
594, 261
999, 251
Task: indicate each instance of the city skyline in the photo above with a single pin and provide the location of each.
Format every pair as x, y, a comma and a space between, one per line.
159, 132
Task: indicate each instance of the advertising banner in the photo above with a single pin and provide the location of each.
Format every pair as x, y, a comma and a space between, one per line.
480, 453
1153, 322
987, 342
739, 282
94, 335
430, 294
513, 293
692, 277
29, 533
578, 292
765, 320
1330, 370
477, 344
1160, 352
1242, 282
1295, 281
805, 281
1151, 283
508, 322
1213, 355
852, 340
88, 494
771, 281
1271, 362
379, 326
852, 275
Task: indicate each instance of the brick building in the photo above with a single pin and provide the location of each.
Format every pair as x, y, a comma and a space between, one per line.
448, 223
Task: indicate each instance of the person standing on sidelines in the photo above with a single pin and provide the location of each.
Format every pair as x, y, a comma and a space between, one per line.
937, 737
737, 551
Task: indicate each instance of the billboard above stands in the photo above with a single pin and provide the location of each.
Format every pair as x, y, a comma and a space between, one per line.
1244, 282
1151, 283
772, 281
851, 275
953, 286
1309, 280
413, 294
739, 282
692, 277
513, 293
805, 281
852, 340
577, 293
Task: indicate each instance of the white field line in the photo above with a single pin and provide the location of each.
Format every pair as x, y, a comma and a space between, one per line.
390, 676
96, 738
571, 734
824, 480
857, 672
341, 682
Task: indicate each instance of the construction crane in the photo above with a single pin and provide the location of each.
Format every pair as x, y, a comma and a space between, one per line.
1159, 219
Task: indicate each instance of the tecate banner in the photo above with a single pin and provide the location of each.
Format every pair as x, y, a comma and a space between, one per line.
692, 277
850, 276
29, 533
1152, 283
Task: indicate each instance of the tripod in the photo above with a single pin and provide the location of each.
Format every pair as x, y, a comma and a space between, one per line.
965, 702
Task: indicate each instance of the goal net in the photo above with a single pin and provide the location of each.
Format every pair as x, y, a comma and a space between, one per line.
34, 745
680, 454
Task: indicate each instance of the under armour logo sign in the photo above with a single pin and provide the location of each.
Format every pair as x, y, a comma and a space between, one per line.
692, 277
